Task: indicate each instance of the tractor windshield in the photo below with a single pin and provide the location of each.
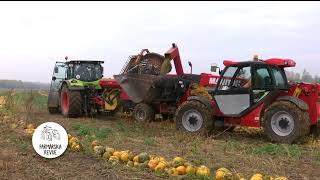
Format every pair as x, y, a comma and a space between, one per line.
87, 72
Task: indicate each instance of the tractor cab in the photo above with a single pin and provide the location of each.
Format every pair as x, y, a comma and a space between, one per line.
87, 71
243, 85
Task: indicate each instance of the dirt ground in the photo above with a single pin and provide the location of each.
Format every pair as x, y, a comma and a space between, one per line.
243, 151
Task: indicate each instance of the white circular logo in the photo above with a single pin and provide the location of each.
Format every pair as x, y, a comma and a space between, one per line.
77, 76
50, 140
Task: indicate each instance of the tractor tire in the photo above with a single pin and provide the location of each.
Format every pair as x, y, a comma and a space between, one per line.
143, 113
284, 122
71, 103
200, 115
53, 110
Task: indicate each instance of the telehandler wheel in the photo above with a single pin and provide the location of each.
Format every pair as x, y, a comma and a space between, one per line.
143, 112
194, 117
70, 103
284, 122
53, 110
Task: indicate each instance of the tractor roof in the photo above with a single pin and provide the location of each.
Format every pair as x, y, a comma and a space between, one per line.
84, 61
282, 63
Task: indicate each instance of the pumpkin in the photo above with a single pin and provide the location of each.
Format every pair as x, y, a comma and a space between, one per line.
124, 157
110, 150
203, 171
143, 157
130, 164
223, 174
178, 161
190, 169
95, 143
181, 170
113, 158
107, 155
76, 147
117, 153
98, 150
173, 172
73, 139
136, 158
281, 178
160, 167
256, 177
153, 163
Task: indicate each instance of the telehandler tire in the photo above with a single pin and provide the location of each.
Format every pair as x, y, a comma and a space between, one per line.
284, 122
194, 117
143, 112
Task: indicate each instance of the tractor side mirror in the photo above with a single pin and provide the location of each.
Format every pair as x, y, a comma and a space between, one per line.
53, 78
56, 70
190, 64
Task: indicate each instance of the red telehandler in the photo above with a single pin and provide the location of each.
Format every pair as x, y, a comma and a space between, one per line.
255, 94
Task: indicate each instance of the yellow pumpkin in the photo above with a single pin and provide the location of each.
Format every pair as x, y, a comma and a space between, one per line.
153, 163
256, 177
223, 173
76, 147
181, 170
203, 171
136, 159
160, 167
110, 150
117, 153
124, 157
74, 139
190, 169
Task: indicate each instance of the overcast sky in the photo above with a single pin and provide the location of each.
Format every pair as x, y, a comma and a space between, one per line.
33, 35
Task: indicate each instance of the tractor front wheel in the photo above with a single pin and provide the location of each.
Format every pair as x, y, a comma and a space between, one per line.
70, 103
143, 113
284, 122
194, 117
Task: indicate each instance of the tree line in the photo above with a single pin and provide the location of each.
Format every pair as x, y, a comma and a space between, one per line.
18, 84
305, 76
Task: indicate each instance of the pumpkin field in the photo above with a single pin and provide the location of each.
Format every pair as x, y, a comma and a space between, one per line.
105, 147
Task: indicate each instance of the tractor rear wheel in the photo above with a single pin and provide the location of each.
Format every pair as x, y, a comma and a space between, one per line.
284, 122
194, 117
71, 103
53, 110
143, 112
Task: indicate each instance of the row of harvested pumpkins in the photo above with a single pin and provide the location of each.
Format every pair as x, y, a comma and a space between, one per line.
178, 166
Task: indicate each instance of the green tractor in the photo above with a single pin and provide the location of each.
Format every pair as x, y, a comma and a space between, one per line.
75, 88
